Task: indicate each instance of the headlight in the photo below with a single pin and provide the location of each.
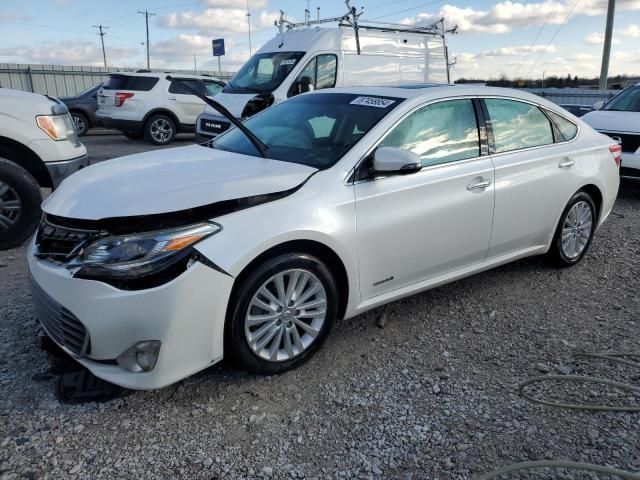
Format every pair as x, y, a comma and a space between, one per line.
137, 255
58, 127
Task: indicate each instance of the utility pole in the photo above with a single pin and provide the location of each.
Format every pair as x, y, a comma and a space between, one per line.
249, 24
606, 49
102, 34
195, 64
146, 18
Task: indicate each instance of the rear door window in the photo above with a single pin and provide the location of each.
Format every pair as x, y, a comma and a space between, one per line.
128, 82
517, 125
176, 86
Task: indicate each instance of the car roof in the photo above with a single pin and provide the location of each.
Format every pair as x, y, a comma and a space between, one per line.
164, 74
434, 92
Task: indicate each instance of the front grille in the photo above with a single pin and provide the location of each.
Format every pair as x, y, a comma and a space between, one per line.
59, 244
60, 323
630, 142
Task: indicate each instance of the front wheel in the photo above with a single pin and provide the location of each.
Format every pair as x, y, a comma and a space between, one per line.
160, 130
281, 313
20, 200
81, 122
574, 231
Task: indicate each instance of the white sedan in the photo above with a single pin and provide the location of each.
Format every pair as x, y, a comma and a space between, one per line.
149, 268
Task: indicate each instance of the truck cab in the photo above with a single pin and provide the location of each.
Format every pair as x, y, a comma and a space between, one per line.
312, 58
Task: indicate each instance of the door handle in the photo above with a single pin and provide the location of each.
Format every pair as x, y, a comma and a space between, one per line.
479, 186
173, 98
567, 163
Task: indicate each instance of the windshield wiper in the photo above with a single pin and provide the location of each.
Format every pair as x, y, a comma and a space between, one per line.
259, 144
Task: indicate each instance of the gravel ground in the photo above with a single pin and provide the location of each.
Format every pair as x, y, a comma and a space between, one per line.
424, 388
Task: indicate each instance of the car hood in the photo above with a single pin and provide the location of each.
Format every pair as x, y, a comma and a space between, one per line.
613, 121
170, 180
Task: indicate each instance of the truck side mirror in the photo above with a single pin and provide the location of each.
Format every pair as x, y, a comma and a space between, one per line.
305, 85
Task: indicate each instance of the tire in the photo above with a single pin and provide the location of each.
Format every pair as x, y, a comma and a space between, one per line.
288, 355
81, 122
160, 129
577, 223
133, 135
18, 189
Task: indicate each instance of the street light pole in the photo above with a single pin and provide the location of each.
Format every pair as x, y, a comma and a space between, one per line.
606, 49
249, 25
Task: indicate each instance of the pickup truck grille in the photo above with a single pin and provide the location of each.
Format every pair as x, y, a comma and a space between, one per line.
59, 244
59, 323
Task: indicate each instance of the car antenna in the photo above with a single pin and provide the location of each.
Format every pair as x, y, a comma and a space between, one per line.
259, 144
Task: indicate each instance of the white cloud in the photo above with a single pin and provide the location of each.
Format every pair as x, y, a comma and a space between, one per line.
519, 50
67, 52
234, 3
632, 31
218, 21
177, 52
504, 16
597, 38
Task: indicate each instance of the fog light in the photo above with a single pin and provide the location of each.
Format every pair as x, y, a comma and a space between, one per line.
142, 357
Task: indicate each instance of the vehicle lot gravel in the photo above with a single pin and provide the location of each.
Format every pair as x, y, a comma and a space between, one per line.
424, 388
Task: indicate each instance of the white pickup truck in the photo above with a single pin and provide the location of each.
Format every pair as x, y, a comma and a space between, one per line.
619, 118
38, 148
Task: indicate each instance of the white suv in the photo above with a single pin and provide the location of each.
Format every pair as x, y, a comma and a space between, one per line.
147, 105
38, 148
619, 118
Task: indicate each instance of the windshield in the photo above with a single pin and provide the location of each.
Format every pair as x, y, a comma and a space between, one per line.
626, 101
315, 130
263, 73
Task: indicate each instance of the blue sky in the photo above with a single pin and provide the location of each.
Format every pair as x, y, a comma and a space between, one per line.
495, 37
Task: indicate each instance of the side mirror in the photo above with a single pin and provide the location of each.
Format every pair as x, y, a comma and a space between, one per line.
305, 85
396, 160
598, 105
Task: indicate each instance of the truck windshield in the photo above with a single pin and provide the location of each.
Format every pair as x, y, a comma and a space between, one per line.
263, 73
315, 130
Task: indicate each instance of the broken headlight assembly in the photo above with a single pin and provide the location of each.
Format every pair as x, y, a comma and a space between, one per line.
118, 260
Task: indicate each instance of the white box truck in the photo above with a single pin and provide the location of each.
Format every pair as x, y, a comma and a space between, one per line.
308, 57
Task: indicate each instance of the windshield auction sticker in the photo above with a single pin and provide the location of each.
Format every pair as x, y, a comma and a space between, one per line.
373, 102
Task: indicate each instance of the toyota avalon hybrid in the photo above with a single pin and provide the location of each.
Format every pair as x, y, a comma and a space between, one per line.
149, 268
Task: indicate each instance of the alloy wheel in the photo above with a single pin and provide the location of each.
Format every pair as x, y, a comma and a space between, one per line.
286, 315
80, 124
10, 206
161, 130
576, 229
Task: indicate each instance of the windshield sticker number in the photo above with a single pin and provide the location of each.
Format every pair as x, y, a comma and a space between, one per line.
373, 102
290, 61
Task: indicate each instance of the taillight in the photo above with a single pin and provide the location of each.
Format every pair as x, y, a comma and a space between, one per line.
121, 97
616, 151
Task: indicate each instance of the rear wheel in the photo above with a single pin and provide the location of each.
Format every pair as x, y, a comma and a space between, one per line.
160, 130
282, 313
82, 123
20, 201
574, 231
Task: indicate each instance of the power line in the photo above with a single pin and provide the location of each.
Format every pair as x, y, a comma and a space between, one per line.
102, 34
405, 10
554, 37
534, 42
146, 19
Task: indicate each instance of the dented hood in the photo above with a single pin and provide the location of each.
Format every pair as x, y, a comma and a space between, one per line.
169, 180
